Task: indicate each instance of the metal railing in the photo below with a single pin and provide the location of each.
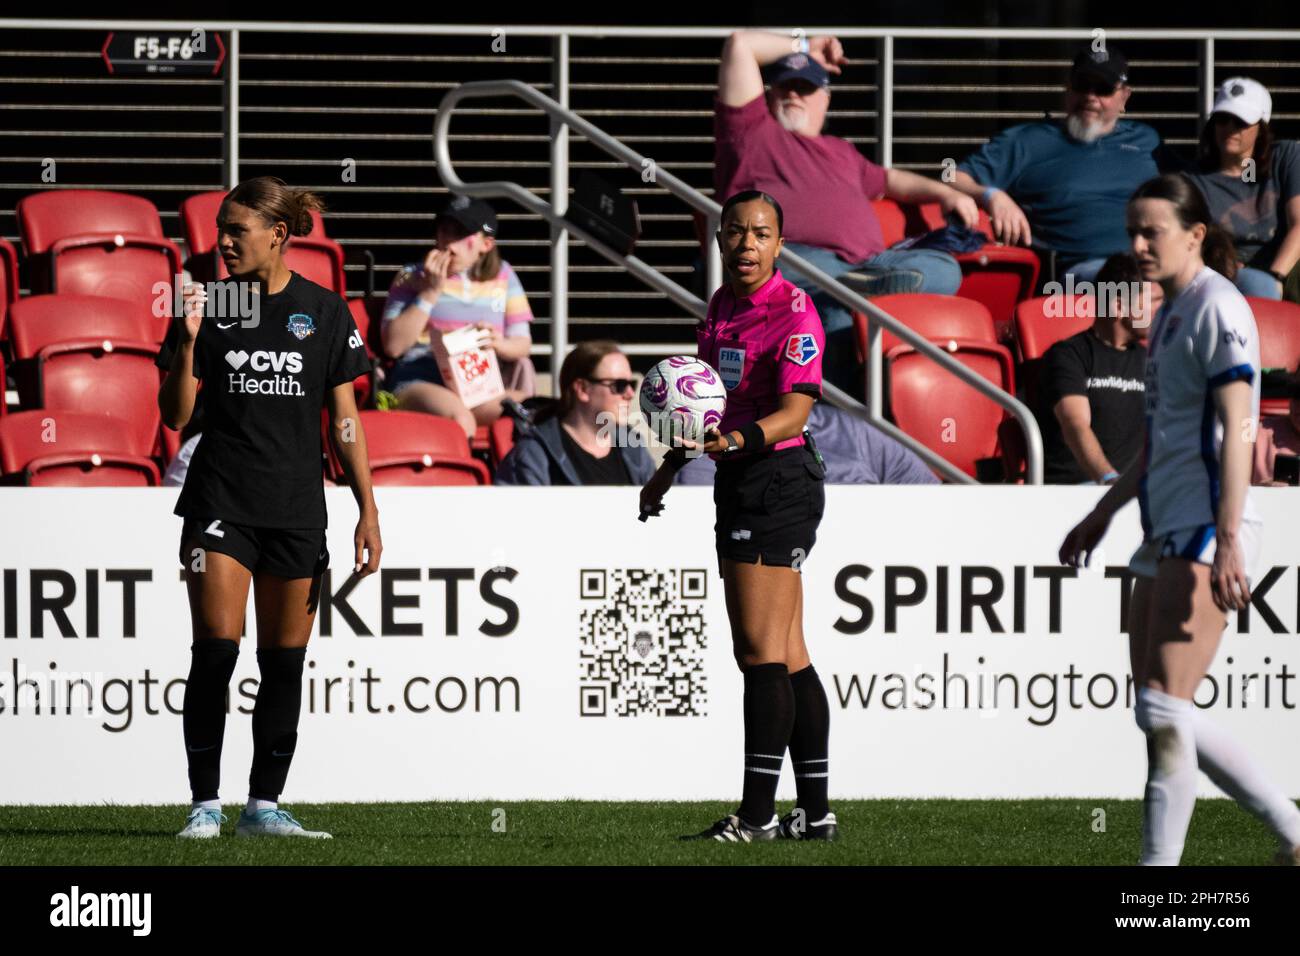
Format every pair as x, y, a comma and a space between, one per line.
877, 317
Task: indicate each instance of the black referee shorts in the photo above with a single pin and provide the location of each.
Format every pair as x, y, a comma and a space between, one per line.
769, 506
283, 552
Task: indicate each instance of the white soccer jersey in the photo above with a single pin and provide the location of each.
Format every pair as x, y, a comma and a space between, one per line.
1204, 338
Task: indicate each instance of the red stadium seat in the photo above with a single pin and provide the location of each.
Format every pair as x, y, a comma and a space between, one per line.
103, 376
62, 448
412, 448
1279, 343
997, 276
8, 284
42, 320
501, 439
96, 243
941, 411
4, 399
935, 317
1036, 331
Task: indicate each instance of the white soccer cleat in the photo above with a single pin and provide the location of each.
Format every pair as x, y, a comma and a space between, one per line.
203, 823
274, 823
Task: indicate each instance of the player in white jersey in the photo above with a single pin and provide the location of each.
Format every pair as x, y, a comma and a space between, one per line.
1201, 531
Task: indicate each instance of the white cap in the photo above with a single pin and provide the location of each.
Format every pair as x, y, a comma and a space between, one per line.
1243, 98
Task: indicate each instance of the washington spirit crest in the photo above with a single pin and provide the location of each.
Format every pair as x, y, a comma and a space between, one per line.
301, 325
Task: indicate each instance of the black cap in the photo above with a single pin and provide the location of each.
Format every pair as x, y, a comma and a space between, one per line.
796, 66
474, 214
1107, 64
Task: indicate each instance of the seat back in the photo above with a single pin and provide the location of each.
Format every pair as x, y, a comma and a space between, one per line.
62, 448
42, 320
46, 217
1278, 323
1039, 323
944, 413
413, 448
936, 317
83, 376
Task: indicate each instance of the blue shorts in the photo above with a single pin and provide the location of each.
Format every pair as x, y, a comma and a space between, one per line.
422, 369
1194, 544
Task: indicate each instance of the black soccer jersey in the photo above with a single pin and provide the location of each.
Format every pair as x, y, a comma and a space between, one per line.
259, 462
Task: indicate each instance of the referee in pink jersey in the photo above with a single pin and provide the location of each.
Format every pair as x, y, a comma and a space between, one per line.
764, 337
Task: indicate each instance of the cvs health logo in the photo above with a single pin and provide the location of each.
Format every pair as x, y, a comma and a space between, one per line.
261, 361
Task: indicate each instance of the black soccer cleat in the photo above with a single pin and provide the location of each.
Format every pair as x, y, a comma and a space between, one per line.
795, 826
732, 829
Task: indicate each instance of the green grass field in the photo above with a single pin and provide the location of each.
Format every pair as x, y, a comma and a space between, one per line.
889, 832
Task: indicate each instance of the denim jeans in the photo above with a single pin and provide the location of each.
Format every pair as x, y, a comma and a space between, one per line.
939, 272
1258, 283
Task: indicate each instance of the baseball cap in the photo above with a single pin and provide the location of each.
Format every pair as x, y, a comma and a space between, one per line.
474, 214
1109, 65
796, 66
1243, 98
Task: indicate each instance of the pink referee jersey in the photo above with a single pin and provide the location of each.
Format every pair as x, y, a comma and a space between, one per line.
764, 346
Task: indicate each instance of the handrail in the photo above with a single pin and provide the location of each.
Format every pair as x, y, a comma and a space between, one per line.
691, 302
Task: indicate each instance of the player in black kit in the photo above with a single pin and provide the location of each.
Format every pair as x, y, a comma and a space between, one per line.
253, 501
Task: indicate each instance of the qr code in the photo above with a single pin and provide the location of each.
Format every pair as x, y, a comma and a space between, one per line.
641, 643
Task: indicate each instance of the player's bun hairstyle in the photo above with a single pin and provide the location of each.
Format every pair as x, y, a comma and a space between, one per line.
749, 195
276, 201
1217, 248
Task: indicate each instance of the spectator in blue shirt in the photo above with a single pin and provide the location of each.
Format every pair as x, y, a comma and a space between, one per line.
1063, 185
856, 454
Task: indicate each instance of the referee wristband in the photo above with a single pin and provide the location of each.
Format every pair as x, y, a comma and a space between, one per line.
988, 195
753, 435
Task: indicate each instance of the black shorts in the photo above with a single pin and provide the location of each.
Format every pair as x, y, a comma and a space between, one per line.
769, 506
284, 552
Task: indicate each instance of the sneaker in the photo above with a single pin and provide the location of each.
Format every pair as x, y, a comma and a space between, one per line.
794, 826
868, 281
278, 823
732, 829
203, 823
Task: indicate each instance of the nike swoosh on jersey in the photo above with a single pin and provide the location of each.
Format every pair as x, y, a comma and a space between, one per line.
229, 325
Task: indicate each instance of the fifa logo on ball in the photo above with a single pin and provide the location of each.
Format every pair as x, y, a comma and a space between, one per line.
682, 398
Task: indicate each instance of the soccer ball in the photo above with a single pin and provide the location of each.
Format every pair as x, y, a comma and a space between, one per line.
682, 397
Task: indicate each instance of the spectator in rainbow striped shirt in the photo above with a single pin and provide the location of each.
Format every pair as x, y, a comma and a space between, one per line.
463, 281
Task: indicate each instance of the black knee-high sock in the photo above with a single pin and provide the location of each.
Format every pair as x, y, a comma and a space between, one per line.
203, 712
275, 719
769, 718
809, 742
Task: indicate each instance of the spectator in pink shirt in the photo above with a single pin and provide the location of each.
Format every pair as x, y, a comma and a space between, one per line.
774, 143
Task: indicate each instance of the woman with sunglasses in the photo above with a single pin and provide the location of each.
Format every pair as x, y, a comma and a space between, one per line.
1251, 182
764, 337
583, 438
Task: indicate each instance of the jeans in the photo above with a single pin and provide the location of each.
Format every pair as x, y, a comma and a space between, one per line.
939, 274
1085, 271
1258, 283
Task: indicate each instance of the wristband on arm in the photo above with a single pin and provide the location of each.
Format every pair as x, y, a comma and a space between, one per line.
987, 197
1108, 477
753, 435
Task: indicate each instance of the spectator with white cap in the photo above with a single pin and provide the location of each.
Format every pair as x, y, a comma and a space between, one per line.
1251, 182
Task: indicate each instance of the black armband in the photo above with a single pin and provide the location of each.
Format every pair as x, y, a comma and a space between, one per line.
755, 440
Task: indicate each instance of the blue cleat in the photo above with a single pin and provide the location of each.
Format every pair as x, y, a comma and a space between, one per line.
275, 823
203, 823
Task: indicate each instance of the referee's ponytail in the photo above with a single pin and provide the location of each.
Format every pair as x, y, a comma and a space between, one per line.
276, 201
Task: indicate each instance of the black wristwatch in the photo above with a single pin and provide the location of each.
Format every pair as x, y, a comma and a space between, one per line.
732, 445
